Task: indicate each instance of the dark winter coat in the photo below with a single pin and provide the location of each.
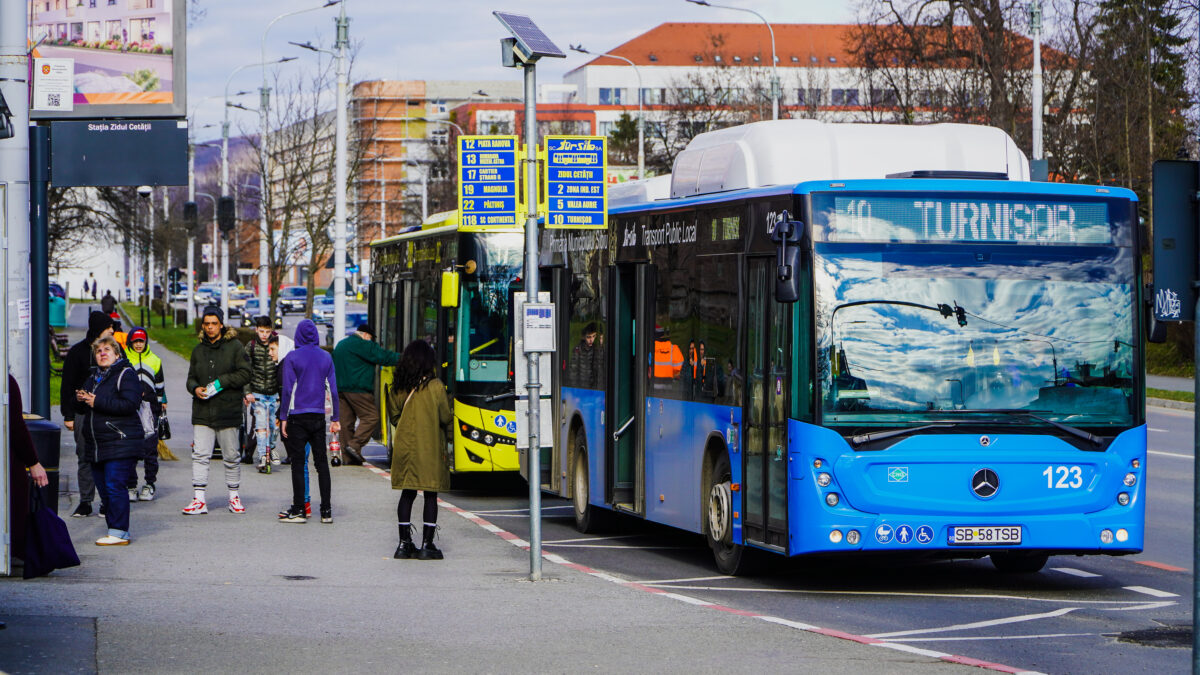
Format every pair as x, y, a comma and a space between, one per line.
264, 372
111, 426
422, 430
355, 359
222, 359
77, 366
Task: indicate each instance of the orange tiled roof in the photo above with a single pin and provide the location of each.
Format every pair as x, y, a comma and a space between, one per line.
796, 45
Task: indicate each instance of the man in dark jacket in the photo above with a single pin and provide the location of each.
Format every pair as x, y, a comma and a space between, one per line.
216, 377
108, 303
306, 373
355, 359
262, 392
77, 368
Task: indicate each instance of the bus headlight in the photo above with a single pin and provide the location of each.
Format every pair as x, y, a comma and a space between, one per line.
474, 434
824, 479
835, 536
852, 537
1122, 535
1130, 480
832, 499
1123, 499
1106, 536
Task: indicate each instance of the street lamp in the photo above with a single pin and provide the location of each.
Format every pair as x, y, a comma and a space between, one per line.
225, 167
774, 59
264, 109
215, 255
340, 143
1053, 354
641, 115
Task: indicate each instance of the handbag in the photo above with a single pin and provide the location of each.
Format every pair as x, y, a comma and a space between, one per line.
164, 428
48, 545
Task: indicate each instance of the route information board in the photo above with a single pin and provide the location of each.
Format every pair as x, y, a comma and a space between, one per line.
487, 179
576, 190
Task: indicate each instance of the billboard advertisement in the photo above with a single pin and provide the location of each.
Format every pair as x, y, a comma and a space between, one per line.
106, 58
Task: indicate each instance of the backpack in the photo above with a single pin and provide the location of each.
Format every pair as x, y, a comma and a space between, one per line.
145, 415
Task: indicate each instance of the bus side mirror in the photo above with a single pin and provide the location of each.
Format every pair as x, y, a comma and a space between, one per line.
788, 234
450, 288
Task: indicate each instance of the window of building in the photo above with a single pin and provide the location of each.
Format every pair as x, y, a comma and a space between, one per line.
611, 95
845, 97
809, 96
717, 58
757, 60
795, 59
698, 59
653, 58
606, 128
885, 98
737, 59
654, 96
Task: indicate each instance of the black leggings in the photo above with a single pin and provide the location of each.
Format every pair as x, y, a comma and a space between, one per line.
404, 507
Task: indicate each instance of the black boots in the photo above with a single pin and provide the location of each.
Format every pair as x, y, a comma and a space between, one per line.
353, 458
428, 551
406, 549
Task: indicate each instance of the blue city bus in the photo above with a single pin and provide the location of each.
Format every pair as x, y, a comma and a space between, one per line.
943, 362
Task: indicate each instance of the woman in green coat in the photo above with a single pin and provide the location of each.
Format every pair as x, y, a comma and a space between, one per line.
422, 430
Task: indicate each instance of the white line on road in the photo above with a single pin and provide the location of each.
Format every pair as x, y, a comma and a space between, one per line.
909, 594
655, 582
995, 637
977, 624
572, 541
1142, 608
622, 546
1074, 572
1152, 591
1164, 431
493, 512
1170, 454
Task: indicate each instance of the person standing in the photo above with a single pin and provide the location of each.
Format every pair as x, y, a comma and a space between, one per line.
216, 377
262, 392
108, 304
113, 432
305, 374
23, 465
419, 461
77, 368
354, 359
148, 367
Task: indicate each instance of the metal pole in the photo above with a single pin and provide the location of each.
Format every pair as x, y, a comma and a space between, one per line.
14, 170
264, 192
339, 218
39, 256
191, 249
424, 196
1196, 504
1035, 9
533, 388
382, 205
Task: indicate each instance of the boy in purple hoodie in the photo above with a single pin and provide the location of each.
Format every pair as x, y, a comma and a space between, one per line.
305, 372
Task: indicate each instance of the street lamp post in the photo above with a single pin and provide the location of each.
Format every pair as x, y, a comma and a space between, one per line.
774, 59
1035, 22
264, 108
641, 115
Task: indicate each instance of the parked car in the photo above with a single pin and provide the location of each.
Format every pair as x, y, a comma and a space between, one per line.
292, 299
57, 290
251, 310
209, 292
322, 309
353, 320
237, 299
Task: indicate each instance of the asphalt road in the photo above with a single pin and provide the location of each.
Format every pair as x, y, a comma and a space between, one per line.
1079, 615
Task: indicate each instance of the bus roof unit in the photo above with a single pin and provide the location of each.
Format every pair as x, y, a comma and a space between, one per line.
785, 152
639, 191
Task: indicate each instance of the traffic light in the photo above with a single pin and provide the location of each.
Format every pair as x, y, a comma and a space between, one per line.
226, 214
191, 216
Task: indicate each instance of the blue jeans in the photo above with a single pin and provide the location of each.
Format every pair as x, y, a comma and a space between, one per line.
111, 477
264, 410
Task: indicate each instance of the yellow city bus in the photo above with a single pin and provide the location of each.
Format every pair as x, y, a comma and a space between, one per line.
413, 296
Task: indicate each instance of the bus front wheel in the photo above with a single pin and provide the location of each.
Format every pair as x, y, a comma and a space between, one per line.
1019, 563
731, 558
588, 518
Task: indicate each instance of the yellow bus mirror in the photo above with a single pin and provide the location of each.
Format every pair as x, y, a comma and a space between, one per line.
450, 288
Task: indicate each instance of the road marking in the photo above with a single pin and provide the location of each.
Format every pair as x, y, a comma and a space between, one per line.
1074, 572
1163, 431
977, 624
909, 594
572, 541
999, 637
1152, 591
1161, 566
1170, 454
557, 559
494, 512
1142, 608
623, 546
678, 581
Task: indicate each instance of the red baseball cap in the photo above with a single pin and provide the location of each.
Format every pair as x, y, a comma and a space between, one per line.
138, 334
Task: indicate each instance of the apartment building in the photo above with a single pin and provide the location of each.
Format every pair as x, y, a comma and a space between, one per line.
99, 21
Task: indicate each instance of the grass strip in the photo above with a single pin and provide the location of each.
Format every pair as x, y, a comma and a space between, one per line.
1187, 396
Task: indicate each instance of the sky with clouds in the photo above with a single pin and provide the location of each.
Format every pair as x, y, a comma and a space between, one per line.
446, 40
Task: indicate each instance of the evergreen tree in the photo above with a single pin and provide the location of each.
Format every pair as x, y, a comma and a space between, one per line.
622, 141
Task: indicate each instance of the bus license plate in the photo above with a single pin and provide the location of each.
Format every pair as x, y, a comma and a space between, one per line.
985, 536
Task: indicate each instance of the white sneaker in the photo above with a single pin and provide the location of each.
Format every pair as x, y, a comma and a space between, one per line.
109, 540
196, 508
133, 494
146, 494
275, 459
235, 505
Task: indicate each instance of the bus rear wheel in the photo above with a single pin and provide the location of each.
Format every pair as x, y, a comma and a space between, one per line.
588, 518
1019, 563
731, 558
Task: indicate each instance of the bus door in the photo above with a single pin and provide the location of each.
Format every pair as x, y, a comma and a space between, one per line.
558, 281
630, 314
764, 477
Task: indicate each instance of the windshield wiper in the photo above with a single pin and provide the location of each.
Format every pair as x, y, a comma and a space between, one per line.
879, 436
1019, 412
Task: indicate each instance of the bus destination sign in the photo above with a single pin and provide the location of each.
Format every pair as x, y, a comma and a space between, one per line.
575, 184
487, 179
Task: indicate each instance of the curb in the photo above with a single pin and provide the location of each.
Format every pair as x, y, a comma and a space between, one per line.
1167, 403
808, 628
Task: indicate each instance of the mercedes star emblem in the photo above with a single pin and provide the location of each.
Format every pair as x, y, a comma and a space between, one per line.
985, 441
985, 483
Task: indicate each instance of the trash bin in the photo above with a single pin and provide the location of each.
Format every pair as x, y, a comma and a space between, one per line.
47, 439
58, 312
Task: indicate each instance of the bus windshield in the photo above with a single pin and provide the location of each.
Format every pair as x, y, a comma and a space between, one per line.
927, 330
484, 322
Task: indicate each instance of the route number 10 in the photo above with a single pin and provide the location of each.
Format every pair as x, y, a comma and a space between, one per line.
1068, 477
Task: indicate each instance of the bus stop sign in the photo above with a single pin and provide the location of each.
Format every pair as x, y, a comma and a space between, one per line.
487, 180
576, 196
1175, 254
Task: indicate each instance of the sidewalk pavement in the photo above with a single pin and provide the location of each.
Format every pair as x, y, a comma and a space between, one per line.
1170, 383
245, 593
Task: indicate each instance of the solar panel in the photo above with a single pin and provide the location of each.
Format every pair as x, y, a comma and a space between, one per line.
530, 38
